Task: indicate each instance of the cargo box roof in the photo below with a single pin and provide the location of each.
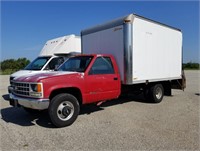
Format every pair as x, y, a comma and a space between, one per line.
120, 21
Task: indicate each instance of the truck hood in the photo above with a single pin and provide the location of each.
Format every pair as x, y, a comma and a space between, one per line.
40, 76
25, 72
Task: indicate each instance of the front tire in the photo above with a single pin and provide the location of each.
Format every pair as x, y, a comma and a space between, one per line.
63, 110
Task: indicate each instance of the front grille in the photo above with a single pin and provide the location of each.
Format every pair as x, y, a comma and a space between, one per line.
21, 88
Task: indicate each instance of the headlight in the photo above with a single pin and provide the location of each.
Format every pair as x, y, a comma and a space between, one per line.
36, 90
36, 87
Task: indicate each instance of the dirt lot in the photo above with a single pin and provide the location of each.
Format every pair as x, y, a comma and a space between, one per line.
129, 123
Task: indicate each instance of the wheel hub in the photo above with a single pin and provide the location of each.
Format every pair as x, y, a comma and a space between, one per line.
158, 93
66, 111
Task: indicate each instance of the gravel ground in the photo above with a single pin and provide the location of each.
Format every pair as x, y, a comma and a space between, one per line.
128, 123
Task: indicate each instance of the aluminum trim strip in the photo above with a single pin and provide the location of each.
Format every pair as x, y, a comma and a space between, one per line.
128, 59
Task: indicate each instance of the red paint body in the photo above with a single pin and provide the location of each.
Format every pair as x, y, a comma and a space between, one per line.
93, 88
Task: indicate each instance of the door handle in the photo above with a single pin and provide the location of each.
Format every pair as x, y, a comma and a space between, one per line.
115, 78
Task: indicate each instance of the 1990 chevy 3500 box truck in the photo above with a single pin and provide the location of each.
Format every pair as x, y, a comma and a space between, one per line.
138, 55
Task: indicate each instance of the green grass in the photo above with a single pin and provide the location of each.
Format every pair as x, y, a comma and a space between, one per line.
7, 72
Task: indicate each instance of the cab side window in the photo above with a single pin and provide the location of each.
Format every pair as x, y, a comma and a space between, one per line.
102, 65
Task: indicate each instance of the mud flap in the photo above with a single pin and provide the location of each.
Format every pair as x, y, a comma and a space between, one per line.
179, 83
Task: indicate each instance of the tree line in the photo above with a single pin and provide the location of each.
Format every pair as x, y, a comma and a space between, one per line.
191, 65
10, 66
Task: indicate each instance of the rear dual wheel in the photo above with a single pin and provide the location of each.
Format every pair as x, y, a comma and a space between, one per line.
154, 93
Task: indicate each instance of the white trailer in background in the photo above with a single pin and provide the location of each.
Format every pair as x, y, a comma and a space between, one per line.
69, 44
53, 53
146, 51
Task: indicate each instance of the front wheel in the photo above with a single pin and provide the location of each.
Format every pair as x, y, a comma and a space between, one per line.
63, 110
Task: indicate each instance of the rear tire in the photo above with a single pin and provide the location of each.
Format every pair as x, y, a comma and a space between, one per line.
63, 110
156, 93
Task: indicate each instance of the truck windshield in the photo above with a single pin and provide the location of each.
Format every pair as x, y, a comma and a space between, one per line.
77, 64
37, 64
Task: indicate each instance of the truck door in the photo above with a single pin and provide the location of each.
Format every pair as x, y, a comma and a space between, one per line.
102, 83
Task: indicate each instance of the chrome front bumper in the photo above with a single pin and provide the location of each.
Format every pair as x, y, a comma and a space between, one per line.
38, 104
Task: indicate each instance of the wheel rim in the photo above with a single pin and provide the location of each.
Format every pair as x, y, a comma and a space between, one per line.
158, 93
65, 110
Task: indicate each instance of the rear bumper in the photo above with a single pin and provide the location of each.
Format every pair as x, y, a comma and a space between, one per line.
38, 104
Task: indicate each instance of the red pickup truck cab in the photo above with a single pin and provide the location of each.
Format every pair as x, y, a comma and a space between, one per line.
80, 80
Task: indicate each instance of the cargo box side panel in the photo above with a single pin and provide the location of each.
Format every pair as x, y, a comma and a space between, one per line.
157, 52
109, 41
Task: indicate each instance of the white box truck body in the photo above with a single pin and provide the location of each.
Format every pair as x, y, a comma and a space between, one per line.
145, 50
